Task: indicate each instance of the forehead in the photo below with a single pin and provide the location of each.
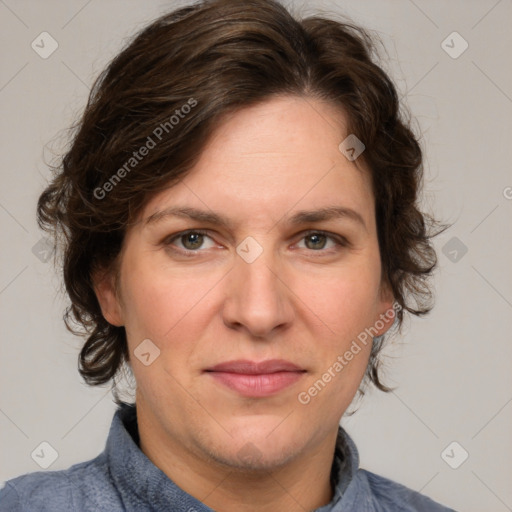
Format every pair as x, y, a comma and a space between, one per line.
270, 158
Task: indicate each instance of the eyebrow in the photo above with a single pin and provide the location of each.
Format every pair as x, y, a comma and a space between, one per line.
300, 217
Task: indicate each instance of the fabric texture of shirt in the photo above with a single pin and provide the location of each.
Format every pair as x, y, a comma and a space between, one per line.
122, 478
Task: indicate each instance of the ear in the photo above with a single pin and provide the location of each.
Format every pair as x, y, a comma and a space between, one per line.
386, 309
103, 283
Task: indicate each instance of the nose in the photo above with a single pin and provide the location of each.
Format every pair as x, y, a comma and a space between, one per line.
258, 299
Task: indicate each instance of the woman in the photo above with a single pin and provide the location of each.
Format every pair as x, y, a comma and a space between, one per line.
239, 220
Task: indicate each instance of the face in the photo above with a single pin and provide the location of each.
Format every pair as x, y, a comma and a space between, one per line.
266, 284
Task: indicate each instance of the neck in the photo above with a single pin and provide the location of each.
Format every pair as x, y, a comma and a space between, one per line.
299, 485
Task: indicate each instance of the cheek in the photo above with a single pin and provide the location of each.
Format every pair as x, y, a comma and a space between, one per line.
173, 309
164, 306
344, 301
340, 309
159, 299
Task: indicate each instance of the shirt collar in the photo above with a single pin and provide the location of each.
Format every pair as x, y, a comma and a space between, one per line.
344, 468
140, 482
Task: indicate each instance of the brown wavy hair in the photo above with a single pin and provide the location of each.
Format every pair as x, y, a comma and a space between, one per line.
177, 78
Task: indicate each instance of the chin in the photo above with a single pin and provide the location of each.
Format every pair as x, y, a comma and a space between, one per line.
265, 441
247, 455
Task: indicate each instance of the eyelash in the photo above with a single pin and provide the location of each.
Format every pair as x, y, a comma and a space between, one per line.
338, 240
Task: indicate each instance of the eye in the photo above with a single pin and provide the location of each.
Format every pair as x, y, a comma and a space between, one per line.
190, 240
317, 240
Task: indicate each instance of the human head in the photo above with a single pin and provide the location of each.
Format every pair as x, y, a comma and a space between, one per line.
171, 87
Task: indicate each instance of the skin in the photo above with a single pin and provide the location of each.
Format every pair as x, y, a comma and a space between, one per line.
302, 299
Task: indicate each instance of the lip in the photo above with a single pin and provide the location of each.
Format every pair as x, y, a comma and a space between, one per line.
253, 379
253, 368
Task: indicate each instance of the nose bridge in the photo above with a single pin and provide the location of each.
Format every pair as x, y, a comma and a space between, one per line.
256, 266
257, 298
259, 274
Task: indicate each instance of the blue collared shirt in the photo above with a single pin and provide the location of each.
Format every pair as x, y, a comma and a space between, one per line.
122, 478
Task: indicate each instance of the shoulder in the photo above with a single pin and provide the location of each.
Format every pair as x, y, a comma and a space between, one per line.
82, 487
389, 495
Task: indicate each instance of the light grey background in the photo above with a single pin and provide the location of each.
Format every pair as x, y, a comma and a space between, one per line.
452, 368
